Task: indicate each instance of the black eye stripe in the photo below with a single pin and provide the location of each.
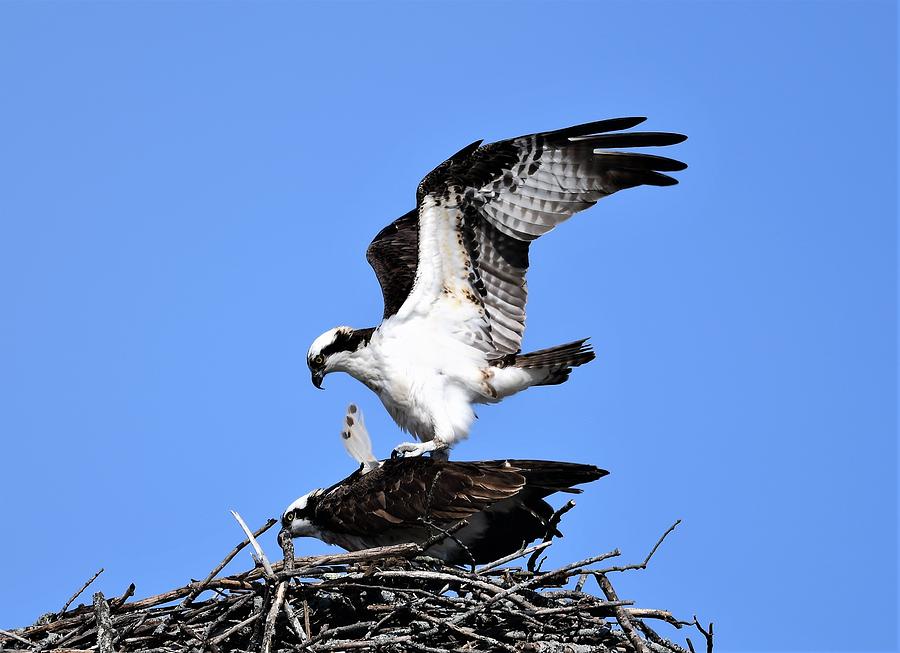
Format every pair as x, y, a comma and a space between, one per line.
347, 341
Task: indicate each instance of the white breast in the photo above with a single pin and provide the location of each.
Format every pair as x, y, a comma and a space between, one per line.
427, 373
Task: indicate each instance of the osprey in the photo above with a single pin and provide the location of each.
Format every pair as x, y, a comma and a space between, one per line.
415, 499
452, 274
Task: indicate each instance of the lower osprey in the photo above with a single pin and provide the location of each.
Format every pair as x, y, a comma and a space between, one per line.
452, 273
415, 499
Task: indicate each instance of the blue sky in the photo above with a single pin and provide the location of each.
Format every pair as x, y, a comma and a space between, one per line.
188, 191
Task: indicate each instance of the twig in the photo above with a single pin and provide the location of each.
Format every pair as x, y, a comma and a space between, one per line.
119, 601
551, 530
654, 637
496, 592
594, 605
303, 565
643, 565
219, 567
582, 579
465, 632
237, 605
338, 630
193, 634
622, 616
6, 633
393, 613
708, 634
306, 624
83, 587
662, 615
292, 618
513, 556
272, 616
519, 586
126, 632
259, 552
443, 534
231, 631
447, 533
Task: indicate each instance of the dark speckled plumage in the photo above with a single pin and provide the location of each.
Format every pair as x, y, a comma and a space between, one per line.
404, 494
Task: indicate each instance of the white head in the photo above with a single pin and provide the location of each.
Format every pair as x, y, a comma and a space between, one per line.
297, 519
333, 350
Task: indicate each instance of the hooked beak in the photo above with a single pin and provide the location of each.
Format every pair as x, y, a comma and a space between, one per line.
317, 379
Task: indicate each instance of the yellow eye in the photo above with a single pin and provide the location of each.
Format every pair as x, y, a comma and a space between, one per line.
289, 517
318, 360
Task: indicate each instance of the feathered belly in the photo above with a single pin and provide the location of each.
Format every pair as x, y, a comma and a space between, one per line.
430, 380
437, 405
409, 410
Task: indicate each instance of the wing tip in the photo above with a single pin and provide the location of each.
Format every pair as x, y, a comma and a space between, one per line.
659, 179
598, 127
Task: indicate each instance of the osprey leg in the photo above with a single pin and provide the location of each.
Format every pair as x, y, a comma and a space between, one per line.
437, 448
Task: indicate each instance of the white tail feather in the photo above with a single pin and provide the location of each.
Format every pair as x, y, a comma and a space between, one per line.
356, 439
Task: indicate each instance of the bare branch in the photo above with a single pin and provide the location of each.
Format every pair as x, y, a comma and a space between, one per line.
622, 616
551, 530
83, 587
643, 565
219, 567
18, 638
272, 616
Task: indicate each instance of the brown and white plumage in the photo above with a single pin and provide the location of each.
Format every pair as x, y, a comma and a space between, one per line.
453, 274
414, 499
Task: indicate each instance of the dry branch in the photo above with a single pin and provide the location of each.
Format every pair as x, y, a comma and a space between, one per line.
83, 587
390, 599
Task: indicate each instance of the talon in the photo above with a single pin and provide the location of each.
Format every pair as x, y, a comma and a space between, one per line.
413, 449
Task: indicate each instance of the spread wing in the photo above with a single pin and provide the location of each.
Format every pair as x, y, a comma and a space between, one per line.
393, 254
403, 492
479, 211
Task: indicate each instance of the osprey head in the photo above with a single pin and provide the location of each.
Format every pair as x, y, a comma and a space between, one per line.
332, 351
297, 519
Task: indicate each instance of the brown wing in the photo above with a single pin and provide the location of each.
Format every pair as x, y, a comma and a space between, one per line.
409, 491
393, 254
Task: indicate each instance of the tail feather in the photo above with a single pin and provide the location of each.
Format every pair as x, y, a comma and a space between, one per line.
558, 361
522, 518
569, 355
552, 476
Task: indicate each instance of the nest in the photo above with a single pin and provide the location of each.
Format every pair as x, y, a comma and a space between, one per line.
388, 599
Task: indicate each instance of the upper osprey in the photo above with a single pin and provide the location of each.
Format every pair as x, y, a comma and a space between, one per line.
452, 273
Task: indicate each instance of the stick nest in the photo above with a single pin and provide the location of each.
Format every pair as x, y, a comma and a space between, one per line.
389, 599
